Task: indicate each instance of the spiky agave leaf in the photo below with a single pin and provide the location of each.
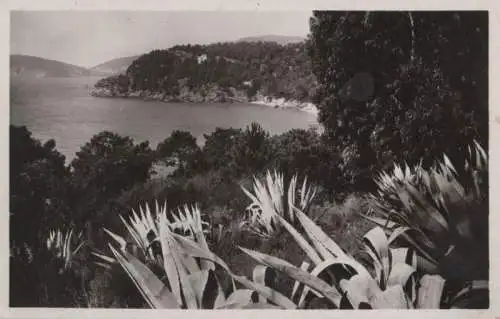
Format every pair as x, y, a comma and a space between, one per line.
330, 292
185, 282
152, 289
184, 275
271, 200
143, 228
394, 269
430, 292
298, 287
267, 200
64, 246
447, 218
188, 266
203, 284
266, 292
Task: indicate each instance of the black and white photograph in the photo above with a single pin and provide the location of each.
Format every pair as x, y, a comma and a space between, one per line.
231, 160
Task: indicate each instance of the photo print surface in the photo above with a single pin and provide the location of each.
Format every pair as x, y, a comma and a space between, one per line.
249, 160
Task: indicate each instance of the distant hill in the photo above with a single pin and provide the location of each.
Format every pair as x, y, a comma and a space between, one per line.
24, 65
280, 39
115, 66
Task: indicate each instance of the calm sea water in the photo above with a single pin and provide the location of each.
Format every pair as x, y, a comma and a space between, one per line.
61, 108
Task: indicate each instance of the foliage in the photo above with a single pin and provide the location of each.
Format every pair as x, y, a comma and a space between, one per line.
62, 269
269, 202
216, 187
118, 158
394, 87
218, 147
303, 151
350, 284
106, 166
189, 283
115, 83
343, 221
181, 151
60, 244
226, 69
386, 78
444, 220
55, 273
38, 183
237, 152
339, 278
46, 195
252, 151
392, 278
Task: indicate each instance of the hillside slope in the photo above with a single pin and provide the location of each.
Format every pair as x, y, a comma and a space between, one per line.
221, 72
114, 66
24, 65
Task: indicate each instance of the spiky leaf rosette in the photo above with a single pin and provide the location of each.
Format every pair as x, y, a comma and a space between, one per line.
64, 247
271, 198
184, 275
442, 213
390, 281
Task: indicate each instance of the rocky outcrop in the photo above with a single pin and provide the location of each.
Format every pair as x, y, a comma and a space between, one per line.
206, 94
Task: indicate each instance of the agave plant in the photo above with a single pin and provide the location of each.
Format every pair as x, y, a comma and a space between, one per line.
442, 215
143, 227
336, 268
391, 279
270, 201
64, 246
180, 273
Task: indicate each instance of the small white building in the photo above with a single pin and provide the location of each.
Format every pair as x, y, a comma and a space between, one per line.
202, 58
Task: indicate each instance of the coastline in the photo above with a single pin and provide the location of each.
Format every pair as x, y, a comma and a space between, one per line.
212, 97
281, 103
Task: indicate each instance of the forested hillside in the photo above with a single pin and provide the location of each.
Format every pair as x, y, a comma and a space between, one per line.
221, 72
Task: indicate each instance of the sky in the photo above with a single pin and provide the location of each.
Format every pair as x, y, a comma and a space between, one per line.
88, 38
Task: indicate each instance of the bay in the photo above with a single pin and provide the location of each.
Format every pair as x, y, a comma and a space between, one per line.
62, 109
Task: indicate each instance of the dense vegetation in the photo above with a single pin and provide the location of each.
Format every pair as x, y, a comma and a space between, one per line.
220, 72
399, 86
391, 104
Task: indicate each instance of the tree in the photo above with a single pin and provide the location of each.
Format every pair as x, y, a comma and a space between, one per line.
181, 150
388, 90
462, 39
302, 152
38, 184
104, 167
253, 150
217, 150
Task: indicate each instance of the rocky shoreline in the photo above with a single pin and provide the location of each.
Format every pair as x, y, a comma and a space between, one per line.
211, 95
